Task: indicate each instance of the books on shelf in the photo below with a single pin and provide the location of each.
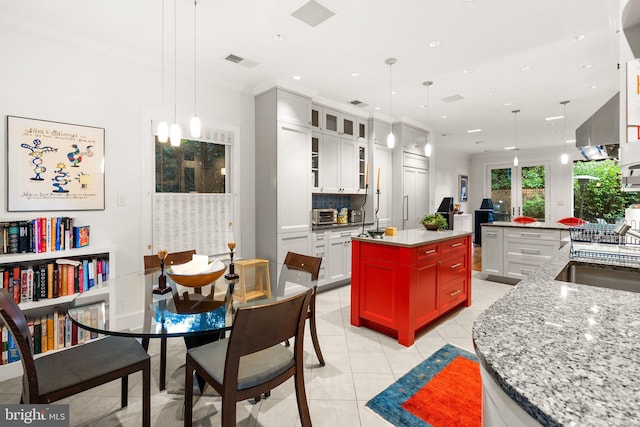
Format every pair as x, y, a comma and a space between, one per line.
44, 234
45, 279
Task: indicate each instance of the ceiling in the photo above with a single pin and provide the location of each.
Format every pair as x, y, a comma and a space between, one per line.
484, 47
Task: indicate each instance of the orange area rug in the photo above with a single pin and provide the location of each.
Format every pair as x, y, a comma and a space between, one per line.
445, 390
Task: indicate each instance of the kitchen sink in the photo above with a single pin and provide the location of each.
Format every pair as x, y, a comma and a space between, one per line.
603, 276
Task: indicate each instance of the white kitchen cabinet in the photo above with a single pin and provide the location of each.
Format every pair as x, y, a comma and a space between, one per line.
316, 142
462, 222
338, 162
339, 255
339, 123
283, 179
492, 251
363, 130
415, 203
319, 240
382, 159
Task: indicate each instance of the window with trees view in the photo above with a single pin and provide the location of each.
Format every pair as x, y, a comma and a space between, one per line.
523, 194
602, 197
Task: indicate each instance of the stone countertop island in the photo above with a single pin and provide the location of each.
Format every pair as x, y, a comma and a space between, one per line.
566, 354
400, 284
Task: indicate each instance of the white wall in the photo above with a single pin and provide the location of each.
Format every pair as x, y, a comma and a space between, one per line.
447, 165
52, 76
559, 180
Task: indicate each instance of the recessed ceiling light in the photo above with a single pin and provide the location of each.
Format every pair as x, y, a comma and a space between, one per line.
423, 106
507, 104
586, 66
467, 71
553, 118
525, 69
355, 74
444, 117
297, 77
434, 43
579, 37
593, 87
474, 130
377, 108
570, 141
393, 92
510, 148
278, 37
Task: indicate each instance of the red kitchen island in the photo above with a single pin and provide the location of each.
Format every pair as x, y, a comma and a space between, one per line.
402, 283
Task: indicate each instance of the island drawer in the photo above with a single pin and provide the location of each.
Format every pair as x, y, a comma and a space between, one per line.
537, 234
454, 246
519, 267
453, 267
536, 248
452, 293
428, 252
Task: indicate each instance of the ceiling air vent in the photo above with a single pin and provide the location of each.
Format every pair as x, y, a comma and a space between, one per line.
313, 13
248, 63
453, 98
358, 103
234, 58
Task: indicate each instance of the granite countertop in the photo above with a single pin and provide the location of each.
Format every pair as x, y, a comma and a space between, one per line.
414, 237
536, 225
568, 354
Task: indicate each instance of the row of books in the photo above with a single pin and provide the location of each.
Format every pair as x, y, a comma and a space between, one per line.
54, 332
53, 278
42, 235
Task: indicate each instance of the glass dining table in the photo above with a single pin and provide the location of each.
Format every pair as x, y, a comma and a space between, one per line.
126, 306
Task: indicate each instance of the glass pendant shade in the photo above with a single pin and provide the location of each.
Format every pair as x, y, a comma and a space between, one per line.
391, 140
163, 131
175, 135
427, 149
195, 127
564, 159
515, 160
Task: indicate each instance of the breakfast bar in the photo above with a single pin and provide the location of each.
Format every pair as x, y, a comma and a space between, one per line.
402, 283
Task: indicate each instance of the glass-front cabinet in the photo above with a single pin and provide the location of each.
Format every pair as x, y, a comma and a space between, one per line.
316, 139
362, 166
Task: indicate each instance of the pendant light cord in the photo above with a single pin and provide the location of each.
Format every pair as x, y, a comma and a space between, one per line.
162, 65
390, 97
195, 74
175, 61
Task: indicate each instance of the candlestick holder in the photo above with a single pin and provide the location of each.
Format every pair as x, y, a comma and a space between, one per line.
363, 211
377, 234
162, 279
231, 277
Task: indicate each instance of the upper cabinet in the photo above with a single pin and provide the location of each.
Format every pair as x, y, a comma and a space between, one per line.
338, 151
293, 109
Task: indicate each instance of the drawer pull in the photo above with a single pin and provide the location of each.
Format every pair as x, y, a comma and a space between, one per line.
492, 234
455, 245
453, 294
530, 235
530, 251
456, 265
525, 271
430, 251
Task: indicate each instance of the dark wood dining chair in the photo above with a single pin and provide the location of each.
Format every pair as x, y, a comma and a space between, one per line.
253, 360
55, 376
310, 264
152, 262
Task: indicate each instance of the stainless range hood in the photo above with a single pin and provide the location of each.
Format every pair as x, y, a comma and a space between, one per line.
599, 136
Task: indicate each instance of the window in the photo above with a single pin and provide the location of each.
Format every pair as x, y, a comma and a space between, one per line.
193, 167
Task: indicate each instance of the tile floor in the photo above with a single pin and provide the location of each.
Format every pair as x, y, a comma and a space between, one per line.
360, 364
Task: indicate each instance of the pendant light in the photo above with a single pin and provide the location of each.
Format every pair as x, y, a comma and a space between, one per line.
564, 159
391, 140
195, 125
427, 146
163, 128
515, 157
175, 133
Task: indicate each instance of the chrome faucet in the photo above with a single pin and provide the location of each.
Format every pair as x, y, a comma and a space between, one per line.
623, 229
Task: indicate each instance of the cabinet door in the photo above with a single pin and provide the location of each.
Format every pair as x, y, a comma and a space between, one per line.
348, 127
331, 122
424, 293
316, 143
330, 164
382, 159
492, 251
335, 253
291, 242
320, 250
361, 167
293, 178
294, 109
348, 164
415, 197
363, 130
317, 117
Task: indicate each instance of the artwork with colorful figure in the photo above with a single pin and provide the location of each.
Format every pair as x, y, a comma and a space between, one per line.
36, 153
54, 166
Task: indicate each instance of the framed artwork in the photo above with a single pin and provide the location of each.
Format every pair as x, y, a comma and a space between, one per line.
463, 187
54, 166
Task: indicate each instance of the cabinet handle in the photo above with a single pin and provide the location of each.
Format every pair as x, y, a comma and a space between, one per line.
430, 251
530, 251
453, 294
455, 245
530, 235
492, 234
525, 271
456, 265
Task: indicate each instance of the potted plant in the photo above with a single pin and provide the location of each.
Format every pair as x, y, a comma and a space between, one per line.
434, 221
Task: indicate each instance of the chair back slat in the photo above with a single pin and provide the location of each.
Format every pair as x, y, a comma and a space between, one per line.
253, 326
152, 261
15, 320
304, 262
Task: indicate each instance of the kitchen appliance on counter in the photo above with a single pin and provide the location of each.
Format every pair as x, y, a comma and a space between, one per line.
324, 216
481, 216
446, 210
355, 216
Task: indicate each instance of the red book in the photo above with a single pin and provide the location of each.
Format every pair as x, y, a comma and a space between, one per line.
16, 285
74, 334
70, 280
43, 235
5, 280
